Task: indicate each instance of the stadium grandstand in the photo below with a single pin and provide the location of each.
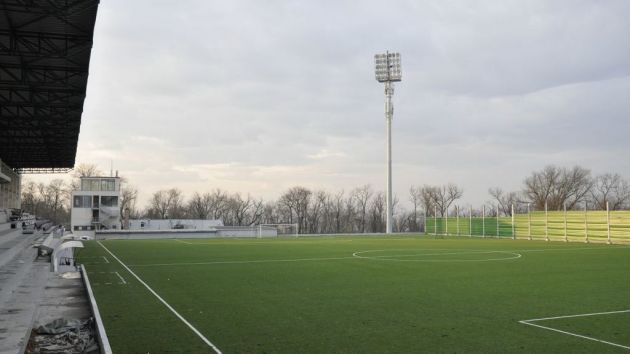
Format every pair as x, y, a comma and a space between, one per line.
45, 49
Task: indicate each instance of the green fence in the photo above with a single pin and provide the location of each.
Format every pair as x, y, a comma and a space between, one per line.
582, 226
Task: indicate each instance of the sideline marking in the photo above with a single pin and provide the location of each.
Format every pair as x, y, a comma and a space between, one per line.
121, 278
106, 260
216, 350
528, 322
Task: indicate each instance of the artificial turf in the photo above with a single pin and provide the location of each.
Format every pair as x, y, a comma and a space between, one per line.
405, 294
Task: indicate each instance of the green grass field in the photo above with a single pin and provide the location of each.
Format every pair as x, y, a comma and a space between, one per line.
362, 295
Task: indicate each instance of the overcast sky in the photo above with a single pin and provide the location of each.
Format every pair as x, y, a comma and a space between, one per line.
259, 96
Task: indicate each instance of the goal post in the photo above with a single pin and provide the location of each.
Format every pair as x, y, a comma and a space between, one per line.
277, 230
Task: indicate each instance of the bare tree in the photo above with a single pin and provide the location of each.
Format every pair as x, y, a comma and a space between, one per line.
316, 212
166, 204
47, 200
505, 200
558, 186
83, 170
612, 189
445, 195
158, 205
218, 204
239, 208
377, 211
30, 199
425, 196
337, 211
176, 208
361, 196
256, 211
128, 199
415, 197
198, 207
296, 201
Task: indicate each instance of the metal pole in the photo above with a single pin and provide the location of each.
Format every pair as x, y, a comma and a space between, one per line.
470, 222
483, 221
389, 112
586, 221
608, 221
498, 229
446, 221
566, 239
513, 233
435, 221
457, 220
529, 223
546, 223
424, 222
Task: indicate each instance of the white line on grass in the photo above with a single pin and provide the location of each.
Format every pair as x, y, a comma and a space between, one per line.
186, 242
356, 256
602, 248
216, 350
394, 257
240, 262
528, 322
106, 260
580, 315
121, 278
223, 241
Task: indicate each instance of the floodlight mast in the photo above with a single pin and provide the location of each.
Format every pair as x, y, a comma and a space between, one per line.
388, 70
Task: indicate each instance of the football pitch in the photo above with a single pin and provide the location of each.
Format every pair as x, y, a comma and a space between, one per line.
363, 294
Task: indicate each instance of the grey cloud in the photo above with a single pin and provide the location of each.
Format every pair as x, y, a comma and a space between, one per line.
490, 87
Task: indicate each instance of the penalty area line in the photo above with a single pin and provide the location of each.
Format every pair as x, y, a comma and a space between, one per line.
529, 323
195, 330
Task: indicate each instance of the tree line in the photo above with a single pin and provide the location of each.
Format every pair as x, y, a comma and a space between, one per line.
556, 188
358, 210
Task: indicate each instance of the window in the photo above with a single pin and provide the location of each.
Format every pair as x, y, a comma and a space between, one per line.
82, 201
109, 201
85, 184
95, 185
83, 228
108, 185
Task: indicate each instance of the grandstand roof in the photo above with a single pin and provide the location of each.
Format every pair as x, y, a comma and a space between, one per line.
45, 48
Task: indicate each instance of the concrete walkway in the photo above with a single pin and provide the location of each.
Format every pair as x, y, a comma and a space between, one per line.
30, 293
22, 282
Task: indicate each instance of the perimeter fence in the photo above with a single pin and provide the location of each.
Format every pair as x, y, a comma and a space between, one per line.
598, 226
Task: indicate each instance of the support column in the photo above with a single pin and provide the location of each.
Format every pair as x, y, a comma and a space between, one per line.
389, 112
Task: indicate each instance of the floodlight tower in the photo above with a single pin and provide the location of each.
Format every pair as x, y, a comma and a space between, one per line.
388, 71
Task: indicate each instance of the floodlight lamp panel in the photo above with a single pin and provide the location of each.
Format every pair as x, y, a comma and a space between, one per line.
387, 67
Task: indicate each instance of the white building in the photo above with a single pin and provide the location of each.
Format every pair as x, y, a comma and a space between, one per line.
96, 206
174, 224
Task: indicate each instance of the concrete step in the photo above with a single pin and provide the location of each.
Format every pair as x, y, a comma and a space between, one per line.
13, 244
5, 226
22, 282
18, 309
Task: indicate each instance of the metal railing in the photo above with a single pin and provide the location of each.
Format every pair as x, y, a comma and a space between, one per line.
602, 226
